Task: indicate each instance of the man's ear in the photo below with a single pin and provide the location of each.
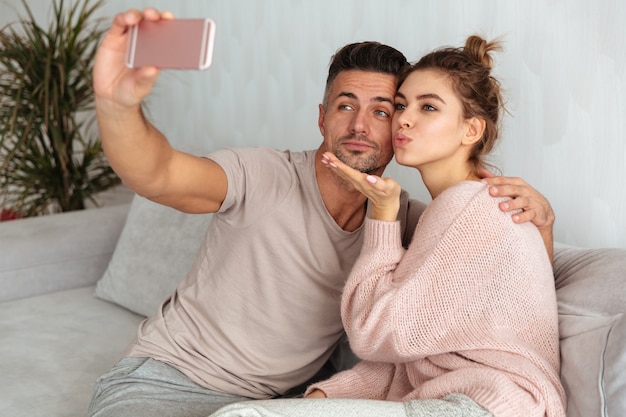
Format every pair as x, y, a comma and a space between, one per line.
320, 119
475, 127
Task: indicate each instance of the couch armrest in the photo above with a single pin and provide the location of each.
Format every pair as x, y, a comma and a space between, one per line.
57, 252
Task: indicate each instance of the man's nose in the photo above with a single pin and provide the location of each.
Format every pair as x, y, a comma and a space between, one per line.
359, 123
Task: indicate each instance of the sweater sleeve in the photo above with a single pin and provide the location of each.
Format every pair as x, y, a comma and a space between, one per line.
369, 292
469, 274
365, 380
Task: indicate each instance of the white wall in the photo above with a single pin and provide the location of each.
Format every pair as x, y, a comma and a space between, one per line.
564, 69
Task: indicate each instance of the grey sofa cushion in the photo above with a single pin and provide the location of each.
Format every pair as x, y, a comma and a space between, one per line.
53, 349
58, 251
591, 293
156, 249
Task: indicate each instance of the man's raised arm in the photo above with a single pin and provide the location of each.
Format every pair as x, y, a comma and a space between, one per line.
136, 150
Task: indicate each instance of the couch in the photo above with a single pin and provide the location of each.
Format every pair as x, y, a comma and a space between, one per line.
75, 286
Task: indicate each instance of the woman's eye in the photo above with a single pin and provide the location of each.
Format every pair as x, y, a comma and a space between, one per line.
399, 106
428, 107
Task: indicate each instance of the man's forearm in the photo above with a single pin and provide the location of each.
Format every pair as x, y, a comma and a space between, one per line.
548, 240
136, 150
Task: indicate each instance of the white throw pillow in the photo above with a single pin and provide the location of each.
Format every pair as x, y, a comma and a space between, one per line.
155, 250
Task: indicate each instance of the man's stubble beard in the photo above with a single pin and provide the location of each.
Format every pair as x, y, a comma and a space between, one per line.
368, 163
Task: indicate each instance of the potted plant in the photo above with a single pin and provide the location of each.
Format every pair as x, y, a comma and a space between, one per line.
51, 158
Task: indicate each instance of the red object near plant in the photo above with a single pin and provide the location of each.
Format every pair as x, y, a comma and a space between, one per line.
8, 214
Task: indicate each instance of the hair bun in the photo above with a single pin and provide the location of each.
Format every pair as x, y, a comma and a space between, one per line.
478, 49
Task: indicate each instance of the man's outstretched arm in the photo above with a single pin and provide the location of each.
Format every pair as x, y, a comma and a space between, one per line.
136, 150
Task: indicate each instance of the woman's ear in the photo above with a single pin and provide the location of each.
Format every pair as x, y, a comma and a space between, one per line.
475, 130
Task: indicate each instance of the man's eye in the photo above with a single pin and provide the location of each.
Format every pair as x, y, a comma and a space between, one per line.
399, 106
382, 113
345, 107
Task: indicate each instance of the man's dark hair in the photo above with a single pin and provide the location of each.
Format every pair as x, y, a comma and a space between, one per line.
365, 56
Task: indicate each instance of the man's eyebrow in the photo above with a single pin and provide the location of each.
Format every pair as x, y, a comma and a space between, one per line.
379, 99
347, 94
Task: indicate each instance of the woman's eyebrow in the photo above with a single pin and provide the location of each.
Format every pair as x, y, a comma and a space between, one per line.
432, 96
424, 97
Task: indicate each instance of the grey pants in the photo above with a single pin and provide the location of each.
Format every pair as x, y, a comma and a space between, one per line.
144, 387
454, 405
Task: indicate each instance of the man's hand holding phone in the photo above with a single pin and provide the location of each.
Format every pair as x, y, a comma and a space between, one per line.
116, 84
140, 44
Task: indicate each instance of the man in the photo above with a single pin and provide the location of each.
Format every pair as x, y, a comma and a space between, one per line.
259, 313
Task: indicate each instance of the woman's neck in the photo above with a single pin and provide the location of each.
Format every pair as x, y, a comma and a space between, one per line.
437, 181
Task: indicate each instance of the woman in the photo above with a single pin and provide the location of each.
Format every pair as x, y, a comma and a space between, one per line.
463, 322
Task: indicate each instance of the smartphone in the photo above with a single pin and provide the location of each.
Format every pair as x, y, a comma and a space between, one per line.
185, 44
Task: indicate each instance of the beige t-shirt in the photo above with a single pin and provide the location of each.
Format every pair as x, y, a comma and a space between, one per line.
259, 312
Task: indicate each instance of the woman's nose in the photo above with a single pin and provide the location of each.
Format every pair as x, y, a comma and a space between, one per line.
404, 121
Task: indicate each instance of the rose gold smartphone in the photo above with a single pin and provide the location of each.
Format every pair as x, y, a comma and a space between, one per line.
171, 44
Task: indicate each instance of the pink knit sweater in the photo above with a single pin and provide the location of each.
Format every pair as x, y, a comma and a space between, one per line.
469, 308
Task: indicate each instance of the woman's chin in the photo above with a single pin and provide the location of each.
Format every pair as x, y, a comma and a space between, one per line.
402, 160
